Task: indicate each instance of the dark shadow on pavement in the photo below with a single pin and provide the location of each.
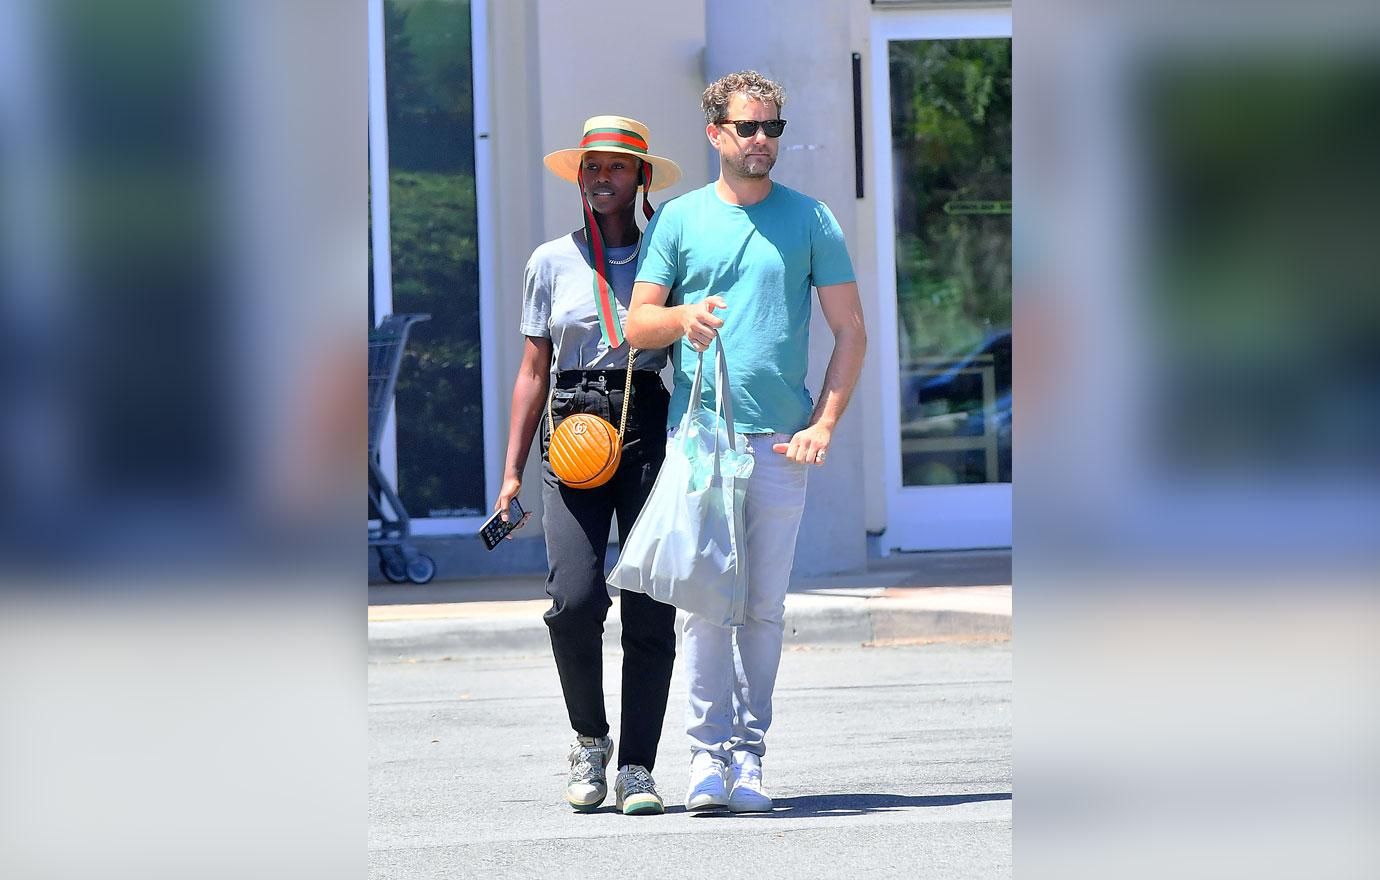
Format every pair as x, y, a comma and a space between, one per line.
859, 804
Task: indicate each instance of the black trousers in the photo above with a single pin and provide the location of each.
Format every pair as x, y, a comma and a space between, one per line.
576, 522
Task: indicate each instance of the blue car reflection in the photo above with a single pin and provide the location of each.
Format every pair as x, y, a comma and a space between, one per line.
956, 415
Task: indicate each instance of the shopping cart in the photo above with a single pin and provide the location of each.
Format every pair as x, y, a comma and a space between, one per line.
398, 560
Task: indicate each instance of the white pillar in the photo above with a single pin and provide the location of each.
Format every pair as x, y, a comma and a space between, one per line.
810, 55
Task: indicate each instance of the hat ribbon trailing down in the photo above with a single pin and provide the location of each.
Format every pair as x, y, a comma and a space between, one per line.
605, 305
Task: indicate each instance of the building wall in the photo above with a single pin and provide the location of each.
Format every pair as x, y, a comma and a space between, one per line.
549, 66
811, 56
641, 60
549, 71
867, 399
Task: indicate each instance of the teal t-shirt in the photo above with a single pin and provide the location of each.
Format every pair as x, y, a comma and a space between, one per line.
762, 259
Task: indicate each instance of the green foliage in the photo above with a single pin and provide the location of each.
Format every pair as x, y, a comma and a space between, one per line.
430, 85
951, 134
439, 391
435, 270
433, 226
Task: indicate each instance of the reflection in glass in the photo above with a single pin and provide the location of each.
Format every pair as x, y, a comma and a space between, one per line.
951, 135
435, 254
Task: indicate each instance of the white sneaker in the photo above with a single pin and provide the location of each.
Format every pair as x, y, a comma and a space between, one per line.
745, 794
707, 790
636, 791
588, 784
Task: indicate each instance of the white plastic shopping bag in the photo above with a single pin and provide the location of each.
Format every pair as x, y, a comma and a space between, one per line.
688, 547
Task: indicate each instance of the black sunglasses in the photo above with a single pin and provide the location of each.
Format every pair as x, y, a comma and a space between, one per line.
747, 128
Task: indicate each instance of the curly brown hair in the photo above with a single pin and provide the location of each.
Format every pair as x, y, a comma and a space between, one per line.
714, 101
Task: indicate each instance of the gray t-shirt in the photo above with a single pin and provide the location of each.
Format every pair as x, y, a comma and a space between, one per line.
558, 304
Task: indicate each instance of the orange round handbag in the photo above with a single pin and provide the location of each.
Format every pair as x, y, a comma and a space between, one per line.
585, 450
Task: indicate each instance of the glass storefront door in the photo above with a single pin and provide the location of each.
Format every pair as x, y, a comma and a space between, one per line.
942, 82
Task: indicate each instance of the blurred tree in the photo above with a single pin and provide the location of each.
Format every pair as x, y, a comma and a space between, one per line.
433, 225
951, 137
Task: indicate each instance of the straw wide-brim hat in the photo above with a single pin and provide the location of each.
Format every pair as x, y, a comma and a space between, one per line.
613, 134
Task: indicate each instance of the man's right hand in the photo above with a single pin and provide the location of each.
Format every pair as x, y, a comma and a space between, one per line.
701, 326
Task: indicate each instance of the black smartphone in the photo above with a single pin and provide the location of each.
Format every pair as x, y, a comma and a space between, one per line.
495, 529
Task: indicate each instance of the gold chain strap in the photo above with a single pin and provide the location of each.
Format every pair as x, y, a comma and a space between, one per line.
627, 394
550, 396
627, 398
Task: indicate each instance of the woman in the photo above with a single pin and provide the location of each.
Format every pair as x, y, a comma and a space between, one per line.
569, 334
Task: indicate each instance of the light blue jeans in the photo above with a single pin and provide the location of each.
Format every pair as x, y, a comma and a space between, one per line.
732, 670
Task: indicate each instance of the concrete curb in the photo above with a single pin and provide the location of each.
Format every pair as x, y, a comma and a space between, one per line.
406, 633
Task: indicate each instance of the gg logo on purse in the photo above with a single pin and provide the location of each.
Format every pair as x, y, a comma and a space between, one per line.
585, 451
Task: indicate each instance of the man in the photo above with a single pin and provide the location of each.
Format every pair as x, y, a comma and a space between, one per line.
751, 249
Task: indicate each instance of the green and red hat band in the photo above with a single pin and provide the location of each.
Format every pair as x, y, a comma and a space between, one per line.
605, 305
618, 138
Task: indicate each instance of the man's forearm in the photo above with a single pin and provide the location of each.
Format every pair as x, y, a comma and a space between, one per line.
652, 326
845, 365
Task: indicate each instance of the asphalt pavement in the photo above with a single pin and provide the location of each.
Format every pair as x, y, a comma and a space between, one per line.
884, 762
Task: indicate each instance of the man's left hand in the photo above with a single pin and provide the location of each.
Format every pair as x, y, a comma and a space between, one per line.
806, 447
